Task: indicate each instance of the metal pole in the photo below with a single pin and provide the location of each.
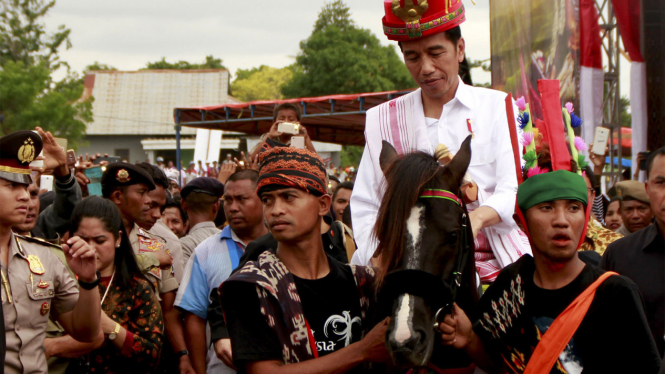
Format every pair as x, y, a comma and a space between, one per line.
177, 145
612, 94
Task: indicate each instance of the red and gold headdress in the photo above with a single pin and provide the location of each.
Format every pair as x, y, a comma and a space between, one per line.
412, 19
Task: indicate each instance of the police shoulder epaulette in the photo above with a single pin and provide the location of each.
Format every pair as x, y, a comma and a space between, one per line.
144, 233
32, 239
159, 237
151, 235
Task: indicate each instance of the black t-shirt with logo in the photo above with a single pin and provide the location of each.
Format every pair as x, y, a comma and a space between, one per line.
613, 337
331, 306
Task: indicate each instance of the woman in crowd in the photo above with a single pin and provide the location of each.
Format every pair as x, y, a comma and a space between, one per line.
613, 219
131, 316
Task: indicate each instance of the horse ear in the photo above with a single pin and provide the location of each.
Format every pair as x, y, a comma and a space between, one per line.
388, 155
460, 163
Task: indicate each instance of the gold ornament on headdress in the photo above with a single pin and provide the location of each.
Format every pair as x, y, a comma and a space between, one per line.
411, 14
27, 151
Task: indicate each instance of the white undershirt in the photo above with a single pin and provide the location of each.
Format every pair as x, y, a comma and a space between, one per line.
433, 131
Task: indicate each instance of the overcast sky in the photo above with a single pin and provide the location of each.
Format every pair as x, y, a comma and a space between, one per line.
128, 33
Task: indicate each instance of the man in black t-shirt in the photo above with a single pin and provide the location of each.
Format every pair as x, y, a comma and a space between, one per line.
296, 305
526, 299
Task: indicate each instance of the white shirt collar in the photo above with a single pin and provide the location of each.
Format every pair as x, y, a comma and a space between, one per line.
464, 94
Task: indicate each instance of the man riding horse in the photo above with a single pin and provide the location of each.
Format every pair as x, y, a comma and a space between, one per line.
443, 110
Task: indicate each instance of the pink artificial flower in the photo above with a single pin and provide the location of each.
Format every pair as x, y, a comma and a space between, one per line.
521, 104
569, 107
527, 138
535, 171
580, 145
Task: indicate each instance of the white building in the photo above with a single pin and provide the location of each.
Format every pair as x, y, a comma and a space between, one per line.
133, 112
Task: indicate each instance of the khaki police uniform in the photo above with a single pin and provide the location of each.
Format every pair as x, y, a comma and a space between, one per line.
143, 244
197, 234
197, 191
34, 284
172, 244
57, 365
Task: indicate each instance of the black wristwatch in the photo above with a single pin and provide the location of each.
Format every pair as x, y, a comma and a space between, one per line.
91, 285
184, 352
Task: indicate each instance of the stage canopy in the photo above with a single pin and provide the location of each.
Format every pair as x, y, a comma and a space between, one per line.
334, 119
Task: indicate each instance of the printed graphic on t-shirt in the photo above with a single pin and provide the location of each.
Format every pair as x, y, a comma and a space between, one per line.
338, 329
569, 361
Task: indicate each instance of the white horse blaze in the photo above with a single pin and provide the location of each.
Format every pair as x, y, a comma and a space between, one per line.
414, 230
404, 324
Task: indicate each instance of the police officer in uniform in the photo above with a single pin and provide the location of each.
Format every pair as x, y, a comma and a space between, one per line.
127, 186
153, 222
35, 283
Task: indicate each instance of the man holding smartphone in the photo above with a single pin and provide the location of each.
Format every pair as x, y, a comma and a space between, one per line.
286, 130
52, 222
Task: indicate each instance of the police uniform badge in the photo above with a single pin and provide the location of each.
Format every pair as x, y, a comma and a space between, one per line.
44, 309
17, 151
35, 264
148, 244
27, 151
123, 176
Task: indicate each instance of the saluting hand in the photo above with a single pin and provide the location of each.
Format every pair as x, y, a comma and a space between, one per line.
81, 259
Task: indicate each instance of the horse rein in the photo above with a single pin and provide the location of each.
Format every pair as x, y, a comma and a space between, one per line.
462, 253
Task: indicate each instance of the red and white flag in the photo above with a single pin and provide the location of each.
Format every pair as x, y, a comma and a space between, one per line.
591, 74
628, 13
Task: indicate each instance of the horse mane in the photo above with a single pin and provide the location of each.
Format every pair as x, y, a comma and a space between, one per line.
406, 177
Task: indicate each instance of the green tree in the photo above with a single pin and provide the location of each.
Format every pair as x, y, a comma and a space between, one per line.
29, 96
351, 155
98, 66
340, 57
210, 63
336, 14
262, 83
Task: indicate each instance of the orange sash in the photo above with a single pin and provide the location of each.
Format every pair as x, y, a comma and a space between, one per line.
555, 339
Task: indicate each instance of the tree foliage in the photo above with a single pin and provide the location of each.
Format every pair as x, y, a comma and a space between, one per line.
29, 96
210, 63
336, 14
339, 57
351, 155
262, 83
95, 66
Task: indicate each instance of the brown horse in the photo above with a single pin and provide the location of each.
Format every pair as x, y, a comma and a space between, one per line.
426, 253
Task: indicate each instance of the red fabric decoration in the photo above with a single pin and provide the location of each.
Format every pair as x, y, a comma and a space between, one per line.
549, 92
628, 13
513, 137
590, 43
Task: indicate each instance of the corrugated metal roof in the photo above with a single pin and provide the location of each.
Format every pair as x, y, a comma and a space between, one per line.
142, 102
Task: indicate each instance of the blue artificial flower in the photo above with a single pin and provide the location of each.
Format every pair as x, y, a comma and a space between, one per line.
575, 121
523, 119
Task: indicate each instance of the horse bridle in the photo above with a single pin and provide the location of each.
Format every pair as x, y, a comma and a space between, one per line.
426, 285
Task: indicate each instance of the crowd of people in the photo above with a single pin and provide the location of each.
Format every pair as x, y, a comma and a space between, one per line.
269, 264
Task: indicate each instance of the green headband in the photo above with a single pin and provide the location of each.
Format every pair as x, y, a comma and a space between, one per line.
556, 185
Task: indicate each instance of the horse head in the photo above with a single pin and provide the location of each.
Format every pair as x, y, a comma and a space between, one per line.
425, 249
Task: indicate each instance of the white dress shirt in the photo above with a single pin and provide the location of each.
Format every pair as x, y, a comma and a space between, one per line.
492, 164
